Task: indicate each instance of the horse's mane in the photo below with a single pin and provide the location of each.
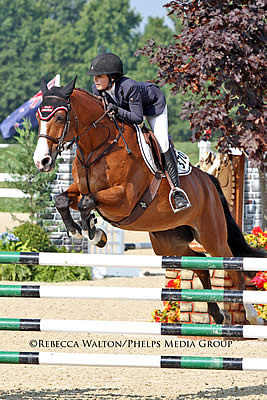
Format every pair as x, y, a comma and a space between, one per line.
94, 96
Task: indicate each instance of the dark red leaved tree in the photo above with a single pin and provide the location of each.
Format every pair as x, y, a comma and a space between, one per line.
220, 57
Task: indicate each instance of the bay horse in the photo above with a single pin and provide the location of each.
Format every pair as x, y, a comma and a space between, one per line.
110, 176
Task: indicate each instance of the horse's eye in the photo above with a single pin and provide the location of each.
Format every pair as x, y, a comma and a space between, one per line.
59, 118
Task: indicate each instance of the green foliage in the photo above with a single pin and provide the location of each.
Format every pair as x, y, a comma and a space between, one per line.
220, 57
19, 163
23, 48
35, 235
30, 237
12, 272
46, 38
60, 274
10, 205
145, 70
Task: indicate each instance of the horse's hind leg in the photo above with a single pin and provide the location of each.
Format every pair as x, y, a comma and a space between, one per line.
214, 240
175, 242
219, 316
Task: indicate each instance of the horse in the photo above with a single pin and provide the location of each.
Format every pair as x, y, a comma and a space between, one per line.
110, 176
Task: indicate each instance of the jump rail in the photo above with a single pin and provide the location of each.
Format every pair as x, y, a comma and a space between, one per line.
104, 260
123, 360
136, 328
129, 293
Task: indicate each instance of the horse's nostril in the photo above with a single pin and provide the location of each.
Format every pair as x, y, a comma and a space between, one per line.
46, 161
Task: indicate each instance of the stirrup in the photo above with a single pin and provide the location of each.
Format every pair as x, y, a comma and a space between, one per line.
175, 190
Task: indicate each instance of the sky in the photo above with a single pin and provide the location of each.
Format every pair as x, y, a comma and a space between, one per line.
152, 8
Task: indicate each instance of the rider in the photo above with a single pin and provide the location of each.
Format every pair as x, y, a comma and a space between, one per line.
130, 101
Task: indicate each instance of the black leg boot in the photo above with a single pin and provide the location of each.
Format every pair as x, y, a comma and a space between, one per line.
170, 166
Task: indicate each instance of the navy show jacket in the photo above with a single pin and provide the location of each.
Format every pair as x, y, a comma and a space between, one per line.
135, 99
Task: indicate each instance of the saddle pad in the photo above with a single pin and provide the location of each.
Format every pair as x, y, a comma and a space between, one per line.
184, 166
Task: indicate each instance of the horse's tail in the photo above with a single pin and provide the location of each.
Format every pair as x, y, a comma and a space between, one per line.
236, 240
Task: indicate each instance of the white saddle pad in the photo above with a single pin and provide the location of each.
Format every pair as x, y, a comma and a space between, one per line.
183, 162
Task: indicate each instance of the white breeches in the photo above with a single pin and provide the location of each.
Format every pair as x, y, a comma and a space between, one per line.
159, 125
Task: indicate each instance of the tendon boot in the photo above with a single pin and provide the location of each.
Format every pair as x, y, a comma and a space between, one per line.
179, 197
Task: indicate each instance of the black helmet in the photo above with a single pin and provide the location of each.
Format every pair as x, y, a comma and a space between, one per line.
106, 64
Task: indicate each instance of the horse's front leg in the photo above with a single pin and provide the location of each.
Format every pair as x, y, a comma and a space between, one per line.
63, 203
113, 200
97, 236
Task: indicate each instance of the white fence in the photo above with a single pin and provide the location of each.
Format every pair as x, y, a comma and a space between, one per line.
9, 192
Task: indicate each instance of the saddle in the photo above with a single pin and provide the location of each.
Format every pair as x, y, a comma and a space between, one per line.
153, 144
151, 154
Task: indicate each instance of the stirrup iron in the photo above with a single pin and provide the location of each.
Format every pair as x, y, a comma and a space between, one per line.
175, 190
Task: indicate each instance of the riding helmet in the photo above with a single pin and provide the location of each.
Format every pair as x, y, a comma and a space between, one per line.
106, 64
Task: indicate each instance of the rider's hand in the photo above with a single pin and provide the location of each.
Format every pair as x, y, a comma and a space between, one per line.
112, 110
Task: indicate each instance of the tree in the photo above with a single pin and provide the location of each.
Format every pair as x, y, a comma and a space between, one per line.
219, 57
111, 27
45, 38
22, 52
163, 35
25, 176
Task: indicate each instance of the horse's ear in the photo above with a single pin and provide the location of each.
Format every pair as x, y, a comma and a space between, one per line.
44, 87
68, 89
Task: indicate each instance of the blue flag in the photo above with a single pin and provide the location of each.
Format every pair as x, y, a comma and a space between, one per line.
27, 110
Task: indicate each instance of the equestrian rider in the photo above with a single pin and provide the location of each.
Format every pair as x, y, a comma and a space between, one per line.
130, 101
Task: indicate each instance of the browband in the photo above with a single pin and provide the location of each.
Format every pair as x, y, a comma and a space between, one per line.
46, 112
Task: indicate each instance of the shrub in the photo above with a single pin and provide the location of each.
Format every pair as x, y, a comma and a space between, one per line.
36, 235
30, 237
12, 272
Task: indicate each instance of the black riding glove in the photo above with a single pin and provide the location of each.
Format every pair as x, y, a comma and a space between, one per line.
112, 110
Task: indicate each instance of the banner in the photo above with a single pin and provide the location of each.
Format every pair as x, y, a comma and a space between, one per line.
27, 110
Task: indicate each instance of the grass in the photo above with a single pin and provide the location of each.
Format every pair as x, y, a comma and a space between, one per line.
191, 149
7, 184
10, 205
2, 153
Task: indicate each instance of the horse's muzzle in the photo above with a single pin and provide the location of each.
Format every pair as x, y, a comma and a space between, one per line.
46, 164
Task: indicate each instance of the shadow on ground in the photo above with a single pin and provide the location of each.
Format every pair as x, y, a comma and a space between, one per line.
234, 393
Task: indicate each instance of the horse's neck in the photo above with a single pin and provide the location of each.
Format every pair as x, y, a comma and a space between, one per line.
86, 107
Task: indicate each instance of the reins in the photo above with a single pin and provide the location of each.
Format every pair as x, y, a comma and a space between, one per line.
150, 191
63, 145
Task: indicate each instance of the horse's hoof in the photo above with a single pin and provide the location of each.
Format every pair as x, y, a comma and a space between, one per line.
100, 239
76, 234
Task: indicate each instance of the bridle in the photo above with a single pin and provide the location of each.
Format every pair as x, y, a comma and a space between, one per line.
63, 145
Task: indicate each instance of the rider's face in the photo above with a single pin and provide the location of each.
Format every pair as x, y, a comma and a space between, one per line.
101, 82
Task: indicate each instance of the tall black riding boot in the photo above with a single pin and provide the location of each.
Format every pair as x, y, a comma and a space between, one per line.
170, 166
